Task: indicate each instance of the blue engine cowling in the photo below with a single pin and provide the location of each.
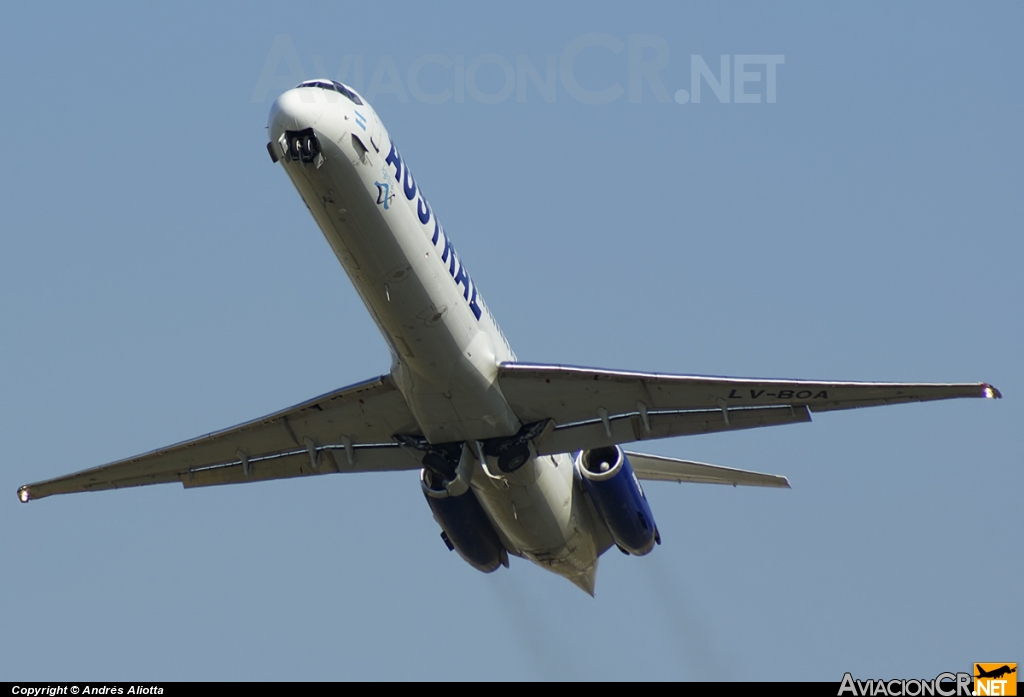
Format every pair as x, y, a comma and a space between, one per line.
466, 527
617, 494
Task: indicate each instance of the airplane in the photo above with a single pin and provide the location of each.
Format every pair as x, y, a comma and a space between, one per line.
995, 673
514, 459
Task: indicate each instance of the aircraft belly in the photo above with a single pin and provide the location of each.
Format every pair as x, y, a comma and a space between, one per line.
444, 362
540, 515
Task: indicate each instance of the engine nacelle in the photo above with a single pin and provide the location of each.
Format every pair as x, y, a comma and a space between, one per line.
617, 494
466, 527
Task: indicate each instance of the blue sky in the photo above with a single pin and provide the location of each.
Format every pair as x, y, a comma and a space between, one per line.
160, 279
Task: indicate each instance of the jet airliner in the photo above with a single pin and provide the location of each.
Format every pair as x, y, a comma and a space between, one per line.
514, 459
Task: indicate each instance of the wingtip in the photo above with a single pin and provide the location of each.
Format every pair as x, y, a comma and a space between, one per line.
990, 392
24, 495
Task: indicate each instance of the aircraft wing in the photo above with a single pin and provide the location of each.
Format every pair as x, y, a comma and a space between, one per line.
348, 430
667, 469
593, 408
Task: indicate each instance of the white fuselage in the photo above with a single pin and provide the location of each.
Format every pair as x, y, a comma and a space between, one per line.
445, 344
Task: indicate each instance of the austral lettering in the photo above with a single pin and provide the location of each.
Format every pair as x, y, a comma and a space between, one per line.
456, 269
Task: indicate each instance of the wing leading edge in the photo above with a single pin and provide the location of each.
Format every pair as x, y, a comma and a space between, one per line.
348, 430
595, 408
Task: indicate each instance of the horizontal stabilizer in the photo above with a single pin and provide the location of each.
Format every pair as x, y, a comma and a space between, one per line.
667, 469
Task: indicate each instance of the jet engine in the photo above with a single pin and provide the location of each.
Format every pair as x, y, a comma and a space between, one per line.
617, 495
464, 524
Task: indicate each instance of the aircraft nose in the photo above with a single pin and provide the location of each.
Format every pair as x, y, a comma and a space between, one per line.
295, 110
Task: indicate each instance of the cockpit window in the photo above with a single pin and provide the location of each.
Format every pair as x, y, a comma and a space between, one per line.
347, 92
335, 86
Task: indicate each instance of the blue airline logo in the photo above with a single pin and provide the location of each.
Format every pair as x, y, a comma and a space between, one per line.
384, 194
440, 240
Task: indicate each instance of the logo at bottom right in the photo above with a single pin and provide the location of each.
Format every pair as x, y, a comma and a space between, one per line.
995, 679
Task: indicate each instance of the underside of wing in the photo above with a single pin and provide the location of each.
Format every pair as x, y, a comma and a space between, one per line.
617, 429
667, 469
594, 408
348, 430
